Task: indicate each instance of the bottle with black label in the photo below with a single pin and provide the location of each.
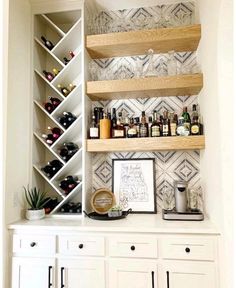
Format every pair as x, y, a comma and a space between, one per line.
143, 126
195, 125
155, 127
93, 131
132, 130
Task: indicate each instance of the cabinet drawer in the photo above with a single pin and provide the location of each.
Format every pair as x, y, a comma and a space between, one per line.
34, 244
189, 248
82, 245
135, 246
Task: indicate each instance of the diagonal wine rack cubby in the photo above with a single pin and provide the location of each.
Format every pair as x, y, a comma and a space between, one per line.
64, 30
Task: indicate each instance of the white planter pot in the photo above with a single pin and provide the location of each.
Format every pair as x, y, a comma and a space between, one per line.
35, 214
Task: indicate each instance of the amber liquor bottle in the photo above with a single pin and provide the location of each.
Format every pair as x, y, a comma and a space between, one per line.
119, 130
155, 127
165, 124
143, 126
195, 125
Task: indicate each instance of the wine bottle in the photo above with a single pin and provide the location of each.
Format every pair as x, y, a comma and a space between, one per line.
66, 61
49, 107
55, 101
72, 54
48, 171
48, 75
71, 87
63, 90
56, 132
47, 43
56, 165
55, 71
48, 138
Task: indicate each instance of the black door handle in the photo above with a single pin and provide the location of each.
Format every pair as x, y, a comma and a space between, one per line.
81, 246
153, 283
132, 247
49, 276
168, 279
62, 277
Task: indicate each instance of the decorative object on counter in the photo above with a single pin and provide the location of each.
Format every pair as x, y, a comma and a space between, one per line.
72, 207
36, 200
52, 168
181, 196
68, 150
102, 201
133, 180
105, 217
168, 198
115, 211
67, 119
69, 183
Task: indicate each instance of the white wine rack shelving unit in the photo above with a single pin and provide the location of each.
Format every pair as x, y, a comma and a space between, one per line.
65, 31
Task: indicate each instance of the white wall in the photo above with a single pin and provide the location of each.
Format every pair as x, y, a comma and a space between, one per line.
216, 100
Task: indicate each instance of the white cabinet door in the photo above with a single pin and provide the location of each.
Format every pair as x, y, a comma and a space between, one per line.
187, 274
86, 273
132, 273
33, 272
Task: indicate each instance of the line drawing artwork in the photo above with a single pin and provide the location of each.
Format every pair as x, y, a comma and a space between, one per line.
132, 183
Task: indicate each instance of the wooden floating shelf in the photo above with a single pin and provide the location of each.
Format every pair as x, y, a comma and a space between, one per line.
162, 40
178, 85
146, 144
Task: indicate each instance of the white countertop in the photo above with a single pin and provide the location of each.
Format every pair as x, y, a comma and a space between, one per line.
141, 223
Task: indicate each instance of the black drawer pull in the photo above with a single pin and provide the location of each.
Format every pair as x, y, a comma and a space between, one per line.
132, 247
81, 246
49, 276
168, 279
153, 283
187, 250
32, 244
62, 277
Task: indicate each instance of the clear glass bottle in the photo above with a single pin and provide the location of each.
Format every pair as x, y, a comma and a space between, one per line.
195, 125
181, 129
171, 64
166, 124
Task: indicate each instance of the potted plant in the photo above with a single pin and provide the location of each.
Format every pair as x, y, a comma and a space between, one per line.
36, 200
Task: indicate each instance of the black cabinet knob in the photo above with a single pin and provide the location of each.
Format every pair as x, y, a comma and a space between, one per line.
32, 244
81, 246
132, 247
187, 250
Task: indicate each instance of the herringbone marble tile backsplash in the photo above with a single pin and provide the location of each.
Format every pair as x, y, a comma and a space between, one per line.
169, 165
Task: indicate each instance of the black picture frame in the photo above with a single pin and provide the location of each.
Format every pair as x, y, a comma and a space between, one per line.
153, 209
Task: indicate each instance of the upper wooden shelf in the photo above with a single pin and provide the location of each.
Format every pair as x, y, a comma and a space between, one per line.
178, 85
147, 144
179, 39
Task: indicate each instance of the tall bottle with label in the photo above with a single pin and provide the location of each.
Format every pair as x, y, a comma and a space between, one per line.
143, 126
119, 130
132, 131
187, 119
173, 124
105, 127
165, 124
195, 125
93, 131
155, 128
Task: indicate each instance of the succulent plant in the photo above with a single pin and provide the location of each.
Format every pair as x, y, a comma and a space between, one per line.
35, 198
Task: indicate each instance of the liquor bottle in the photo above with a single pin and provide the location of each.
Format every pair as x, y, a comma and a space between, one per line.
48, 75
137, 125
187, 119
149, 126
113, 120
181, 128
126, 126
47, 43
119, 130
155, 127
49, 107
165, 124
143, 126
72, 54
71, 87
63, 90
93, 130
55, 101
171, 64
173, 124
55, 71
195, 125
66, 61
161, 124
105, 127
132, 131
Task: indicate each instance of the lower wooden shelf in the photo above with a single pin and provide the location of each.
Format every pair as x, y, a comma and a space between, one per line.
147, 144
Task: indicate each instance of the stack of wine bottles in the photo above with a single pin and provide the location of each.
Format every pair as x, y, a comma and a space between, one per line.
51, 106
52, 168
49, 75
53, 136
67, 119
68, 150
71, 207
69, 183
65, 90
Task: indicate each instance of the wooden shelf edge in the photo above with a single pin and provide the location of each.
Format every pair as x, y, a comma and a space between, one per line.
162, 40
147, 144
178, 85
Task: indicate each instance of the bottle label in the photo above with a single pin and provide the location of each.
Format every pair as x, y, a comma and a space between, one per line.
118, 133
143, 131
132, 132
155, 131
165, 129
173, 127
93, 132
195, 129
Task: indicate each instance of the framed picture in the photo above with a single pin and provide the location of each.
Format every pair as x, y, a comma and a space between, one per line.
133, 183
